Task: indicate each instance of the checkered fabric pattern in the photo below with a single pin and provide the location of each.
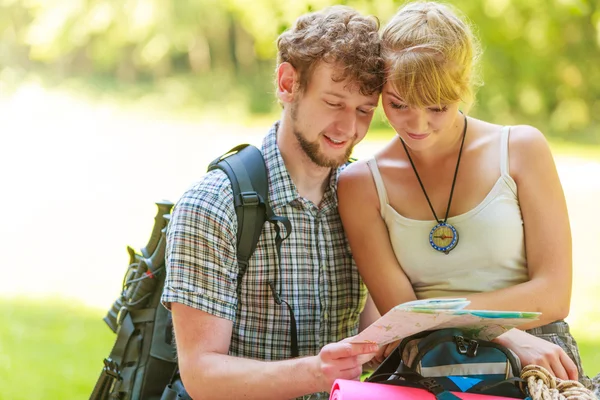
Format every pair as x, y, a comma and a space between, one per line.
318, 276
559, 333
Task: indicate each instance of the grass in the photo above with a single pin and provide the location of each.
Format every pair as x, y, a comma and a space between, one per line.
590, 354
50, 349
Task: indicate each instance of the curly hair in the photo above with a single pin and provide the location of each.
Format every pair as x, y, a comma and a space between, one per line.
337, 35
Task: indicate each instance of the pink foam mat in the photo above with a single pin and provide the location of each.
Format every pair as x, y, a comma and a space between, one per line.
354, 390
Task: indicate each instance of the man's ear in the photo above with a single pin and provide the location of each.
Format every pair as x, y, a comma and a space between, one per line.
287, 82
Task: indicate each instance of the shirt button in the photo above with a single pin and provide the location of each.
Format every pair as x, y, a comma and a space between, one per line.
326, 316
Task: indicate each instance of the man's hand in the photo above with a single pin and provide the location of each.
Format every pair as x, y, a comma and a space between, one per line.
342, 360
533, 350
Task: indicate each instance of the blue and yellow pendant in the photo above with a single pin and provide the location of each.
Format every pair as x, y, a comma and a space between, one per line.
443, 237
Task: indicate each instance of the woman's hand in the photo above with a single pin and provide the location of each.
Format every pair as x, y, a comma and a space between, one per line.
384, 352
533, 350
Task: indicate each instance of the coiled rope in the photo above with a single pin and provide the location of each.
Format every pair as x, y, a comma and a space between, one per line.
542, 385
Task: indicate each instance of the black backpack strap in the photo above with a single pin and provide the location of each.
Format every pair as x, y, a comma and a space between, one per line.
175, 389
111, 373
433, 387
245, 168
409, 378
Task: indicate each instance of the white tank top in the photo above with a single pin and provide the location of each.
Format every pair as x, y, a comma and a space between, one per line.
490, 253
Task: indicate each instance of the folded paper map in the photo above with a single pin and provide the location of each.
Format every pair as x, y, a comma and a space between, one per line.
422, 315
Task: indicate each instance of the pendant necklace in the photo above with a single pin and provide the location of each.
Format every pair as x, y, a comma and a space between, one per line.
443, 237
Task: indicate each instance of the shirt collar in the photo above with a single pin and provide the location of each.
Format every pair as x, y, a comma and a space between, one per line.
282, 189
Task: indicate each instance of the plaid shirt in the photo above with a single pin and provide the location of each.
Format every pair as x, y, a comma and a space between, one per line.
318, 276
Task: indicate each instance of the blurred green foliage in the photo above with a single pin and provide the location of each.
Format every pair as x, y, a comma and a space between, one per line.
540, 64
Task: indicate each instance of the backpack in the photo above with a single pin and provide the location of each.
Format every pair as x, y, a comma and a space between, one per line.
449, 360
143, 359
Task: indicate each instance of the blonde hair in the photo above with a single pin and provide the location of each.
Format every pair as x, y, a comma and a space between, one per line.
431, 55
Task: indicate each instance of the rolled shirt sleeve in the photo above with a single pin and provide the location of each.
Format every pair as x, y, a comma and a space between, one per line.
201, 260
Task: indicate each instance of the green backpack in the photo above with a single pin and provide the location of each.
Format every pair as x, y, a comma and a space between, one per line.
143, 359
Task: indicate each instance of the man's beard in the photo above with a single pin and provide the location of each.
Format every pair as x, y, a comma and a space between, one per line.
312, 149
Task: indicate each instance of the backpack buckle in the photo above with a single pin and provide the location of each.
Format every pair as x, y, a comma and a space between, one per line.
431, 385
472, 350
461, 345
249, 199
121, 315
111, 368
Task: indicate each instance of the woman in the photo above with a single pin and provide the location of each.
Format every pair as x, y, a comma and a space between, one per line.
458, 207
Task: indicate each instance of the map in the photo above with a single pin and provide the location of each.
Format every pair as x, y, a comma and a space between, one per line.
422, 315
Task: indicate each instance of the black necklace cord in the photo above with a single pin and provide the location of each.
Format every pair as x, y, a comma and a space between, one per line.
464, 134
462, 143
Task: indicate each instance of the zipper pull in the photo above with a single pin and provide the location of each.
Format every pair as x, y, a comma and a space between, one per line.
473, 346
461, 344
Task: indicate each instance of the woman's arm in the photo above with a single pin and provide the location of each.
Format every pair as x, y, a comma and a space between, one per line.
369, 314
369, 239
547, 234
548, 254
358, 204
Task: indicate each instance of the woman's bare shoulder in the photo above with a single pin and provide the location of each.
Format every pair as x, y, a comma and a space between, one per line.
356, 181
527, 141
356, 172
526, 134
522, 138
529, 151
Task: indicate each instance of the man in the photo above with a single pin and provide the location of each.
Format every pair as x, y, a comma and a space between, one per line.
329, 77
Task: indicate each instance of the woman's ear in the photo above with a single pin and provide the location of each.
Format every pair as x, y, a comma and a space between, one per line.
287, 82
